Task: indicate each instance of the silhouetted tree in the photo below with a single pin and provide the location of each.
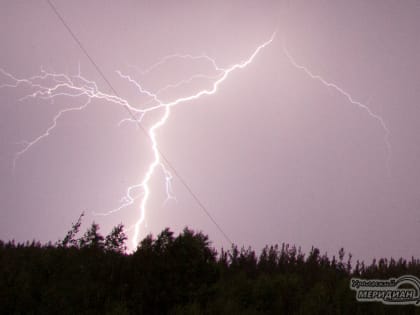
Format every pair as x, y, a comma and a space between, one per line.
115, 240
92, 238
70, 238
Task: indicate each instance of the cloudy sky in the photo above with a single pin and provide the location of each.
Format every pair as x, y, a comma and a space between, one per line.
275, 155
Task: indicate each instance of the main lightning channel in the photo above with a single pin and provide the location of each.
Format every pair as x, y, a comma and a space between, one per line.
49, 85
167, 107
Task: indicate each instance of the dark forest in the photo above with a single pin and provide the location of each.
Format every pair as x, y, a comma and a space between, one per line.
183, 274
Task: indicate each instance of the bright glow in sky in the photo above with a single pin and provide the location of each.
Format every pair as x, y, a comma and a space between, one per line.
274, 155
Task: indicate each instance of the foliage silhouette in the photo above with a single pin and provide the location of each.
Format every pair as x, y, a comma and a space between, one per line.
182, 274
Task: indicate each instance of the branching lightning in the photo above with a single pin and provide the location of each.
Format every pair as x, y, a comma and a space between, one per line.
348, 96
49, 85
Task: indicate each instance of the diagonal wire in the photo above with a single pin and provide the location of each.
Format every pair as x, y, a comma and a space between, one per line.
98, 69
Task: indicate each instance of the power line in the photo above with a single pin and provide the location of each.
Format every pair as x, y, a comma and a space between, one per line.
176, 173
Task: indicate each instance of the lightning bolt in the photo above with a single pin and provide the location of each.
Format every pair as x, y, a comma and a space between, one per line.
50, 85
167, 107
350, 98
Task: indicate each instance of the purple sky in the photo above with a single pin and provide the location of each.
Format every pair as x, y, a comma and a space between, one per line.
274, 155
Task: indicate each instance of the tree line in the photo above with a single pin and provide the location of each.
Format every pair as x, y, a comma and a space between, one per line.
183, 274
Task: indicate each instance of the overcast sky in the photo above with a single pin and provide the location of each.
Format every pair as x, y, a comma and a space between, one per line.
275, 155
